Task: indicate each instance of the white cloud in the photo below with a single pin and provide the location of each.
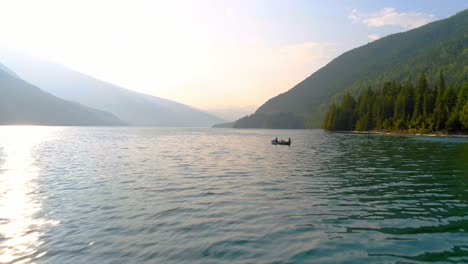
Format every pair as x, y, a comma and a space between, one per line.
373, 37
354, 16
389, 16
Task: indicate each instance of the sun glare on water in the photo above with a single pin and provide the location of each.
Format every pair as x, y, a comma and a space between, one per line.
20, 228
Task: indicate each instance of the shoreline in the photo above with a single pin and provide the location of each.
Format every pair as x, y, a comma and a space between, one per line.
403, 133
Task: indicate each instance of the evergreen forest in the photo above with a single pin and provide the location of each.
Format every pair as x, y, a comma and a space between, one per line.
404, 107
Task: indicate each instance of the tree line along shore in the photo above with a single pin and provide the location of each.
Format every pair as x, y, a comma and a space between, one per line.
398, 107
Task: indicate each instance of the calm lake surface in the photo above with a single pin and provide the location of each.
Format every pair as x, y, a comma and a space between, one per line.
146, 195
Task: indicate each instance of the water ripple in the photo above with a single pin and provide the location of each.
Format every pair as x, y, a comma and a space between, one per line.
145, 195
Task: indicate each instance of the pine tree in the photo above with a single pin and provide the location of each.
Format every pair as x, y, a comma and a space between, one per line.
457, 114
330, 118
464, 117
404, 104
421, 89
400, 111
396, 107
428, 110
450, 98
364, 111
440, 113
346, 115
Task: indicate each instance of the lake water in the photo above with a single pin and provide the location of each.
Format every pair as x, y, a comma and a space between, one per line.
146, 195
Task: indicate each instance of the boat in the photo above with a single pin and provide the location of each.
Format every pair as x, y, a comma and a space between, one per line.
281, 142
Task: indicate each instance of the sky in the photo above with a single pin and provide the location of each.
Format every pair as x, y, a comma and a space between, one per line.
211, 54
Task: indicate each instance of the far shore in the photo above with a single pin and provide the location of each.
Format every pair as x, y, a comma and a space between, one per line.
405, 133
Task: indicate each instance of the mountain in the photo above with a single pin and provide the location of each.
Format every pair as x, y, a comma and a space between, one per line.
232, 113
131, 107
24, 104
7, 70
224, 125
439, 45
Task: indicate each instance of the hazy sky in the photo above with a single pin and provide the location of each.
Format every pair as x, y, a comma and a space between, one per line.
209, 54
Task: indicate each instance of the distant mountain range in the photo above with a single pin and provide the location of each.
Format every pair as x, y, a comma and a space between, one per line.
232, 113
24, 104
131, 107
439, 45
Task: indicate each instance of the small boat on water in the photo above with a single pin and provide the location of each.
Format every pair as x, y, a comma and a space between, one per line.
281, 142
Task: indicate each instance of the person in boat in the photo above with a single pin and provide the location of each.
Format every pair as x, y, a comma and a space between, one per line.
289, 140
275, 140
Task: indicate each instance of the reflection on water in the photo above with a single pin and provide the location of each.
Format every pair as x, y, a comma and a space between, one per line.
20, 230
161, 195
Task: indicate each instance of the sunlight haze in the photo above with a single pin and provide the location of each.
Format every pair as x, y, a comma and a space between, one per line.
233, 131
208, 54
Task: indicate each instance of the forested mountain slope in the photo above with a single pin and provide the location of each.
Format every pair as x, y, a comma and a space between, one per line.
439, 45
